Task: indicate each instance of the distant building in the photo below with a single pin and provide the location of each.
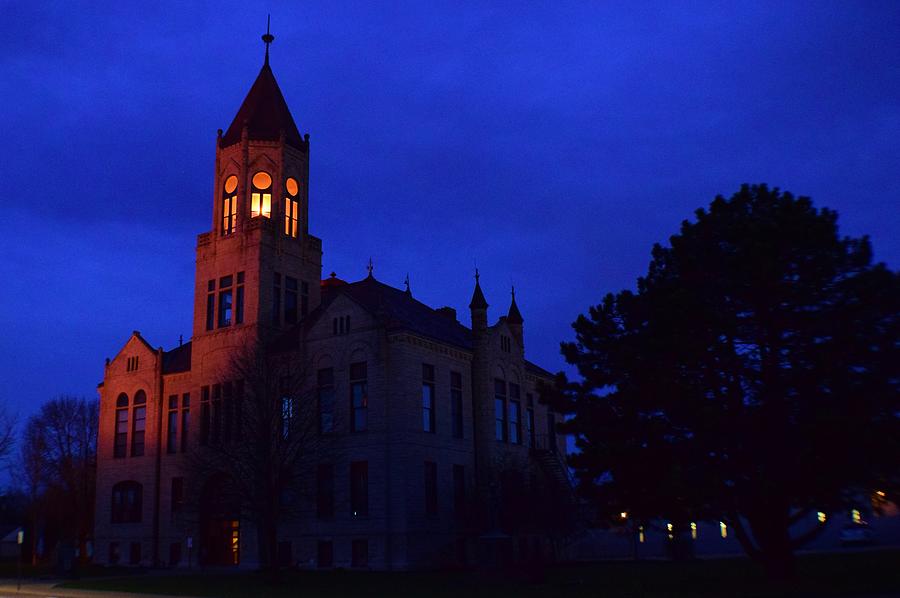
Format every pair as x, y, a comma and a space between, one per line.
427, 412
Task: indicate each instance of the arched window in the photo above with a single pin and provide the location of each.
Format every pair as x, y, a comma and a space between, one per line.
127, 502
229, 205
261, 196
138, 424
120, 439
291, 207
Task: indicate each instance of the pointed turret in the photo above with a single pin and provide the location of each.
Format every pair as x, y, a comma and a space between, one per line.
264, 111
478, 306
514, 320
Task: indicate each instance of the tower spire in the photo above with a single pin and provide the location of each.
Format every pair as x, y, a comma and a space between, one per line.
268, 38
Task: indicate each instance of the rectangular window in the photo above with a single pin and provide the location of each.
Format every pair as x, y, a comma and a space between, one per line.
210, 304
500, 410
238, 410
427, 397
177, 495
456, 404
121, 440
287, 416
515, 414
291, 208
290, 300
225, 301
325, 490
114, 553
229, 214
134, 554
459, 488
431, 488
137, 431
325, 554
276, 299
359, 397
204, 416
227, 405
359, 553
185, 419
172, 427
239, 300
359, 488
325, 391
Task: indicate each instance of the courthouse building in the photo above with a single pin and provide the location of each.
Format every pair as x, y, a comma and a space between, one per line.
429, 414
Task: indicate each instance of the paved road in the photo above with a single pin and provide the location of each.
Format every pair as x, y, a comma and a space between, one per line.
44, 589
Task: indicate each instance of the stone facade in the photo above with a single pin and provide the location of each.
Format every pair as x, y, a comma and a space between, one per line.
251, 269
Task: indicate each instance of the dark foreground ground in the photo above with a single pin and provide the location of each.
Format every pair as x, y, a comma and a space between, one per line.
874, 573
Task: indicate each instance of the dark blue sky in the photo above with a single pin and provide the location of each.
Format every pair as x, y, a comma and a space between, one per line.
552, 142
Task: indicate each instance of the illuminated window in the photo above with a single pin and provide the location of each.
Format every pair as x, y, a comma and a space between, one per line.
693, 530
120, 445
671, 529
261, 196
641, 537
623, 515
291, 208
723, 529
856, 516
139, 423
822, 517
229, 205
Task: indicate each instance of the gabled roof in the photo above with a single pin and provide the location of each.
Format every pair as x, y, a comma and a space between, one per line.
402, 312
265, 112
177, 360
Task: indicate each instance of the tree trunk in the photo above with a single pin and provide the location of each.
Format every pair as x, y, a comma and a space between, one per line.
771, 528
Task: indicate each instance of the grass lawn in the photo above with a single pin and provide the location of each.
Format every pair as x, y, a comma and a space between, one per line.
849, 574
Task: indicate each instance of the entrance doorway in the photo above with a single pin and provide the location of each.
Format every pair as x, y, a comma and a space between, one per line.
220, 525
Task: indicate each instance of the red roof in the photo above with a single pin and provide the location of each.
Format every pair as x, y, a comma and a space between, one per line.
265, 112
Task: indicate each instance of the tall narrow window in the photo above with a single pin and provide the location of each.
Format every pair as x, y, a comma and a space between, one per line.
239, 299
359, 488
431, 488
204, 416
276, 299
456, 404
459, 488
172, 425
290, 300
261, 195
287, 416
138, 424
120, 443
225, 298
185, 420
359, 397
515, 414
427, 397
238, 410
325, 490
291, 208
325, 391
229, 205
500, 409
359, 553
227, 405
210, 304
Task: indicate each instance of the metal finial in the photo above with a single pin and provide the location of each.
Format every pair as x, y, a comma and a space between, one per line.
477, 275
406, 282
513, 288
268, 38
370, 267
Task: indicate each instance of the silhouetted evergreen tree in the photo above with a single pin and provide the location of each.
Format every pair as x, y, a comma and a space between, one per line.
752, 378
